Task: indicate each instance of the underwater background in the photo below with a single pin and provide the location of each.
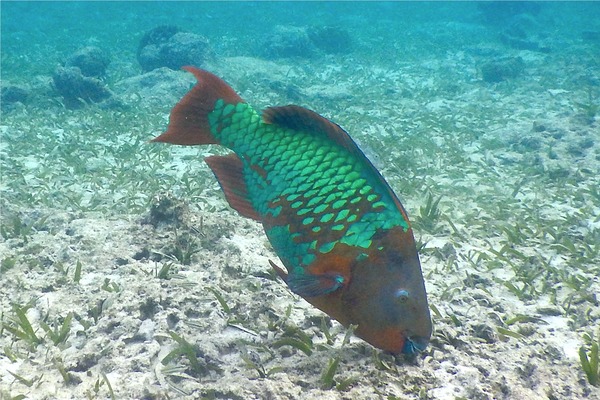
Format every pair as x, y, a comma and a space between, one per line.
125, 274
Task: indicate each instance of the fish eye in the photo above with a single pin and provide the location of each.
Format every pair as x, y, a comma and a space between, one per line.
401, 295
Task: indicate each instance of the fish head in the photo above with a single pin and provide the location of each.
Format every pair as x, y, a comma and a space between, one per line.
386, 298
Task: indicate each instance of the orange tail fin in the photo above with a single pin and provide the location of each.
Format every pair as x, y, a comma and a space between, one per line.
188, 123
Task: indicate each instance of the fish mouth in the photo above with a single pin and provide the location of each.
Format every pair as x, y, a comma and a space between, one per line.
415, 344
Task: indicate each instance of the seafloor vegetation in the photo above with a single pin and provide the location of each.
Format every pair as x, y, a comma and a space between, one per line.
124, 273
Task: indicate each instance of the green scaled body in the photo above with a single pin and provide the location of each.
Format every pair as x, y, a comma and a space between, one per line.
313, 192
338, 228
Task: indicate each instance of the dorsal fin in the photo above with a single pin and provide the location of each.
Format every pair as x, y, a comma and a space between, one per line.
229, 172
302, 119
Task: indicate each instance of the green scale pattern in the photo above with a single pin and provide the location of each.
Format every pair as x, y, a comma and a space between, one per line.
317, 193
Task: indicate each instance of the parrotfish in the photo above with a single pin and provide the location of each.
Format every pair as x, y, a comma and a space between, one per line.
336, 225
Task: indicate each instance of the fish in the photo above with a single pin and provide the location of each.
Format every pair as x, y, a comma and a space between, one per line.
340, 231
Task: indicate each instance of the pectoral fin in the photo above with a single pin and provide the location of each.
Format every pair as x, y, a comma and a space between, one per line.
282, 274
229, 172
307, 285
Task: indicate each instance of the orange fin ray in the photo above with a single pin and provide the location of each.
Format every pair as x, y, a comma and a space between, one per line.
188, 122
229, 172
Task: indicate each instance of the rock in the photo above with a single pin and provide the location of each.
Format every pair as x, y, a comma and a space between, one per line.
166, 46
90, 60
145, 332
12, 95
185, 49
539, 126
77, 81
448, 251
161, 87
166, 210
529, 143
288, 41
156, 37
527, 329
485, 332
330, 39
503, 69
78, 89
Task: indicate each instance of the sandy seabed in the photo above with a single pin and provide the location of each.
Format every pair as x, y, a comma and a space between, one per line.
165, 292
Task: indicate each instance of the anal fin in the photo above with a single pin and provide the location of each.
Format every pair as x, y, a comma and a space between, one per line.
229, 172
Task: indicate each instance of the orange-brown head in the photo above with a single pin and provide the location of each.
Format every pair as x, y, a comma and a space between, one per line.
386, 298
382, 293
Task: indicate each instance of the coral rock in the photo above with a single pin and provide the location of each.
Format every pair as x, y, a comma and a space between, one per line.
78, 89
90, 60
165, 46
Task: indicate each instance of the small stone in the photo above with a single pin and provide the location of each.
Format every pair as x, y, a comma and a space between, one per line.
503, 69
539, 126
146, 330
166, 210
550, 310
529, 143
485, 332
527, 329
448, 251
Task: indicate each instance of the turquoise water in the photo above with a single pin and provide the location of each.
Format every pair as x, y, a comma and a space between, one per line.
37, 35
483, 117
